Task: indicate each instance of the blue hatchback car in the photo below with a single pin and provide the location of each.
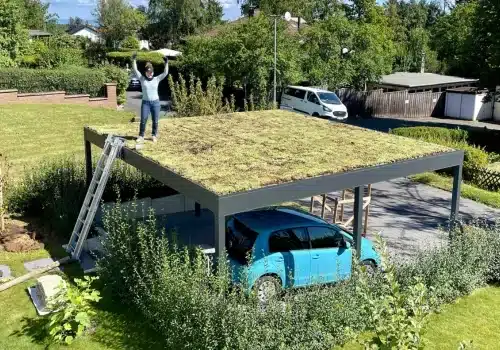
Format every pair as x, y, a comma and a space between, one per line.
283, 247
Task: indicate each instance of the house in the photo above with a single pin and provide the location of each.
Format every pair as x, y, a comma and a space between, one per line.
87, 32
419, 82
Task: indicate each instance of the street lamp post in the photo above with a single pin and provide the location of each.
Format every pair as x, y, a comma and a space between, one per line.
287, 18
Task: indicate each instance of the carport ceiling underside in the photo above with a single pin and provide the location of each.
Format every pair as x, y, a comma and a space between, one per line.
228, 154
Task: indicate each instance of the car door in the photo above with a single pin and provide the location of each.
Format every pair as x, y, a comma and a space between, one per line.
289, 251
330, 259
313, 104
300, 101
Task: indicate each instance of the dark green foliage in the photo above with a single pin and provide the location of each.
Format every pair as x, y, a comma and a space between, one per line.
55, 191
474, 157
73, 80
130, 42
121, 58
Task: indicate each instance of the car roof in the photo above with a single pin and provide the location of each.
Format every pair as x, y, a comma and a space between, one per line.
278, 218
307, 88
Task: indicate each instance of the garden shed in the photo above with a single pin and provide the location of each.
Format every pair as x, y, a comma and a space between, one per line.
243, 161
468, 103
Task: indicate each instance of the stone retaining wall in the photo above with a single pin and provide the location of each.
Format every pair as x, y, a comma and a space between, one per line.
56, 97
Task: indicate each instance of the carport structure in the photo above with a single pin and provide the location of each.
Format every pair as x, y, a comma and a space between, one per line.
243, 161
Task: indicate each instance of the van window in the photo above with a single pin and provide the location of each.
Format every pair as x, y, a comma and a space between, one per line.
329, 98
300, 94
289, 92
313, 98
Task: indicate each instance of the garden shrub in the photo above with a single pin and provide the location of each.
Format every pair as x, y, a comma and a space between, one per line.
73, 80
121, 58
189, 99
130, 43
474, 157
55, 191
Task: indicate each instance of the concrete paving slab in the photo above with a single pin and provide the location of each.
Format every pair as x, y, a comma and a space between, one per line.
37, 264
5, 271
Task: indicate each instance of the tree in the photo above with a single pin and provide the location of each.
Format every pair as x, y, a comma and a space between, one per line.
452, 38
171, 20
117, 20
486, 48
35, 14
13, 37
76, 23
369, 52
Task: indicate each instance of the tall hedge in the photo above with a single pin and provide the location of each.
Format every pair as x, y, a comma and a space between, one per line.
73, 80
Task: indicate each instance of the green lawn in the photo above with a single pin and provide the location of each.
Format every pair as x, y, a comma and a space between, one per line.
475, 317
32, 133
489, 198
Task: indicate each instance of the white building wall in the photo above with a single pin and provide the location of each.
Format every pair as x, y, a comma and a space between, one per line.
95, 37
496, 115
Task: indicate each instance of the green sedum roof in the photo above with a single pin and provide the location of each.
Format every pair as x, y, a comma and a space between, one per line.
244, 151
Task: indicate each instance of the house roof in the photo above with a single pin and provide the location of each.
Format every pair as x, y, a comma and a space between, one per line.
38, 33
412, 80
244, 151
79, 28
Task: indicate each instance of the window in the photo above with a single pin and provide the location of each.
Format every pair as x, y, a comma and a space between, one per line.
239, 240
300, 94
324, 237
329, 98
313, 98
287, 240
290, 92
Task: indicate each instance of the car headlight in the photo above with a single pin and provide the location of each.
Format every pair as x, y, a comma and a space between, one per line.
326, 109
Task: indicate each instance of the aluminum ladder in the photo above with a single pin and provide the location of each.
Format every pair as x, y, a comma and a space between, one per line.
111, 150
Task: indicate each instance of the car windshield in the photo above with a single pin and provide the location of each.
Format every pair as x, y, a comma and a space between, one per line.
239, 240
329, 98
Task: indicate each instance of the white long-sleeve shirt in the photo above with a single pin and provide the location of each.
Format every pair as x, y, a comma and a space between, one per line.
149, 87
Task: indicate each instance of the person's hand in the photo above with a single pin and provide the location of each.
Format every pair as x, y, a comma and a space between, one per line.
134, 56
165, 58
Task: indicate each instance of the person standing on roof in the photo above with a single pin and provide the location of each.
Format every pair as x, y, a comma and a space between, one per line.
150, 98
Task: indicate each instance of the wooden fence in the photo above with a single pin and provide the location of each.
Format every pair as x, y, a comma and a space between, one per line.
398, 104
486, 179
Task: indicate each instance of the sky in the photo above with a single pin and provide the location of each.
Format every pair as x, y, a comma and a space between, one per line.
84, 8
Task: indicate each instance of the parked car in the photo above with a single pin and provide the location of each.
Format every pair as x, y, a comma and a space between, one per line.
284, 247
134, 83
312, 101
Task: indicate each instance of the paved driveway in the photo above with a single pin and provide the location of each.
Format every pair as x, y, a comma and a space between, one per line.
409, 215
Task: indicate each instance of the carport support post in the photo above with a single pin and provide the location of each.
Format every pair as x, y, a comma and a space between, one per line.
358, 219
455, 197
88, 162
220, 234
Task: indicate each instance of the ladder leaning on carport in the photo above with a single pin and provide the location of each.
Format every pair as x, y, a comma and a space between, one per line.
111, 150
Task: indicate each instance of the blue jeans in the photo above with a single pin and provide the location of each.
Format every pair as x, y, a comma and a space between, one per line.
147, 107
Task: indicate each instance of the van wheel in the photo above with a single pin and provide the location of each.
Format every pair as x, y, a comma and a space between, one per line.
315, 114
267, 288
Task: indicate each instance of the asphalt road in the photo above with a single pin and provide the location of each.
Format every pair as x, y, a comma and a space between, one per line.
410, 215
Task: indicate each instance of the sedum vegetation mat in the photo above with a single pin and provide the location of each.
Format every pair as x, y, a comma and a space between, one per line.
244, 151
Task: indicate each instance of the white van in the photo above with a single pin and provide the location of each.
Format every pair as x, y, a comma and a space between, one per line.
312, 101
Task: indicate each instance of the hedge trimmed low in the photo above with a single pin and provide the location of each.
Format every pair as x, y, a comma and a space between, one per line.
73, 80
122, 57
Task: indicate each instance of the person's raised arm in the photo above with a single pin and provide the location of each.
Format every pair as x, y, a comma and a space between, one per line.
165, 72
134, 65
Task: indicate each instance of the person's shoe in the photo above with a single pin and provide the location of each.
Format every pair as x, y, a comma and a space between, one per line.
155, 139
140, 139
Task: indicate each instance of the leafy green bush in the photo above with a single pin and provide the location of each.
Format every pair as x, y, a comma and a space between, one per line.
55, 191
396, 315
131, 43
120, 77
73, 80
75, 310
474, 156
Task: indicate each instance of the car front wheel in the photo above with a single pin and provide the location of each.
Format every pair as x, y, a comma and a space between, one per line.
370, 267
267, 288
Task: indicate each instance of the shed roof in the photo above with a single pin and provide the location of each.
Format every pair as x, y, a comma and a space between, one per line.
412, 80
36, 32
243, 151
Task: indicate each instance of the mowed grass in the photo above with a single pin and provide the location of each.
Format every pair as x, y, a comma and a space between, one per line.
489, 198
475, 317
243, 151
34, 133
